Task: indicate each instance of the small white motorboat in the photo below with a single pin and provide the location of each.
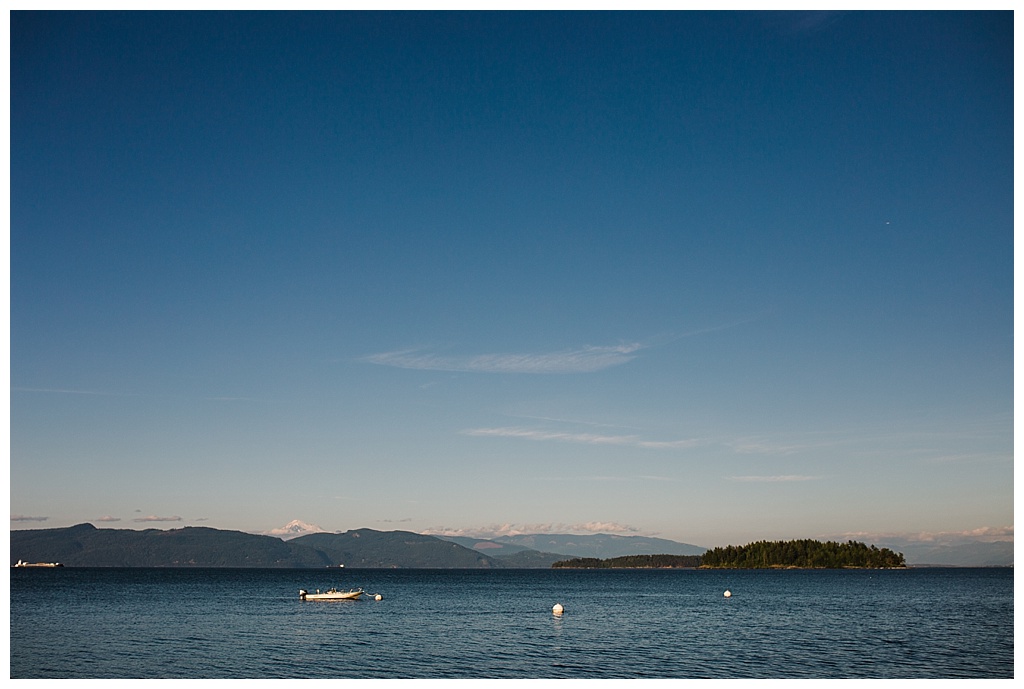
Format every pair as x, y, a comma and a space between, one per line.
331, 594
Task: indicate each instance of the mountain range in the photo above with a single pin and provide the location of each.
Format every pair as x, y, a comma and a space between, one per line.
301, 545
85, 545
970, 554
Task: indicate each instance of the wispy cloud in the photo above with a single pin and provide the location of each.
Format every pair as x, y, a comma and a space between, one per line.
970, 457
224, 398
584, 360
773, 479
108, 393
72, 391
566, 421
584, 438
153, 518
919, 446
25, 518
107, 518
600, 478
926, 444
724, 326
603, 527
778, 445
985, 534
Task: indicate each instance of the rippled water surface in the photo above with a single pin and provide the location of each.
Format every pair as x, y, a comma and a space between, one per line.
215, 623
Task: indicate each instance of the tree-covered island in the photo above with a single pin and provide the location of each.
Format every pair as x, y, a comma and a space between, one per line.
801, 554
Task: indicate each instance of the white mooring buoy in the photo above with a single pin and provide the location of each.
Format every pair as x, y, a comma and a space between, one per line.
728, 593
558, 609
378, 597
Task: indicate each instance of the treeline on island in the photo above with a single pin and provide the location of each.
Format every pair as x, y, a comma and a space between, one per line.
804, 554
631, 561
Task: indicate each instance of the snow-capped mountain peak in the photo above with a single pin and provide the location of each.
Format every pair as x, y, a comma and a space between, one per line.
294, 529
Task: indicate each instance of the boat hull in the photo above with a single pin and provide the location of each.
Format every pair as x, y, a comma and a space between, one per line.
330, 595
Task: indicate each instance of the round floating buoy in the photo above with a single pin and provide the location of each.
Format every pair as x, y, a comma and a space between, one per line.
558, 609
378, 597
728, 593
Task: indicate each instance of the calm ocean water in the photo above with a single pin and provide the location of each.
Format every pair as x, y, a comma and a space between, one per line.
215, 623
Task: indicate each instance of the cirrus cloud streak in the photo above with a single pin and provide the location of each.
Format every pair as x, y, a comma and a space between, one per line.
583, 360
773, 479
585, 438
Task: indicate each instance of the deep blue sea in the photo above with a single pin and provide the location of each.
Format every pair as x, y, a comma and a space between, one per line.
245, 623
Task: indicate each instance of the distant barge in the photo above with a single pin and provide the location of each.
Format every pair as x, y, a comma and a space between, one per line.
20, 563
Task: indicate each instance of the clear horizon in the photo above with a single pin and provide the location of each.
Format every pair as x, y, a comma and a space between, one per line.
709, 277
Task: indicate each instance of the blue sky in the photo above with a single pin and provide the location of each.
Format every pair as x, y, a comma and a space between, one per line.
714, 277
